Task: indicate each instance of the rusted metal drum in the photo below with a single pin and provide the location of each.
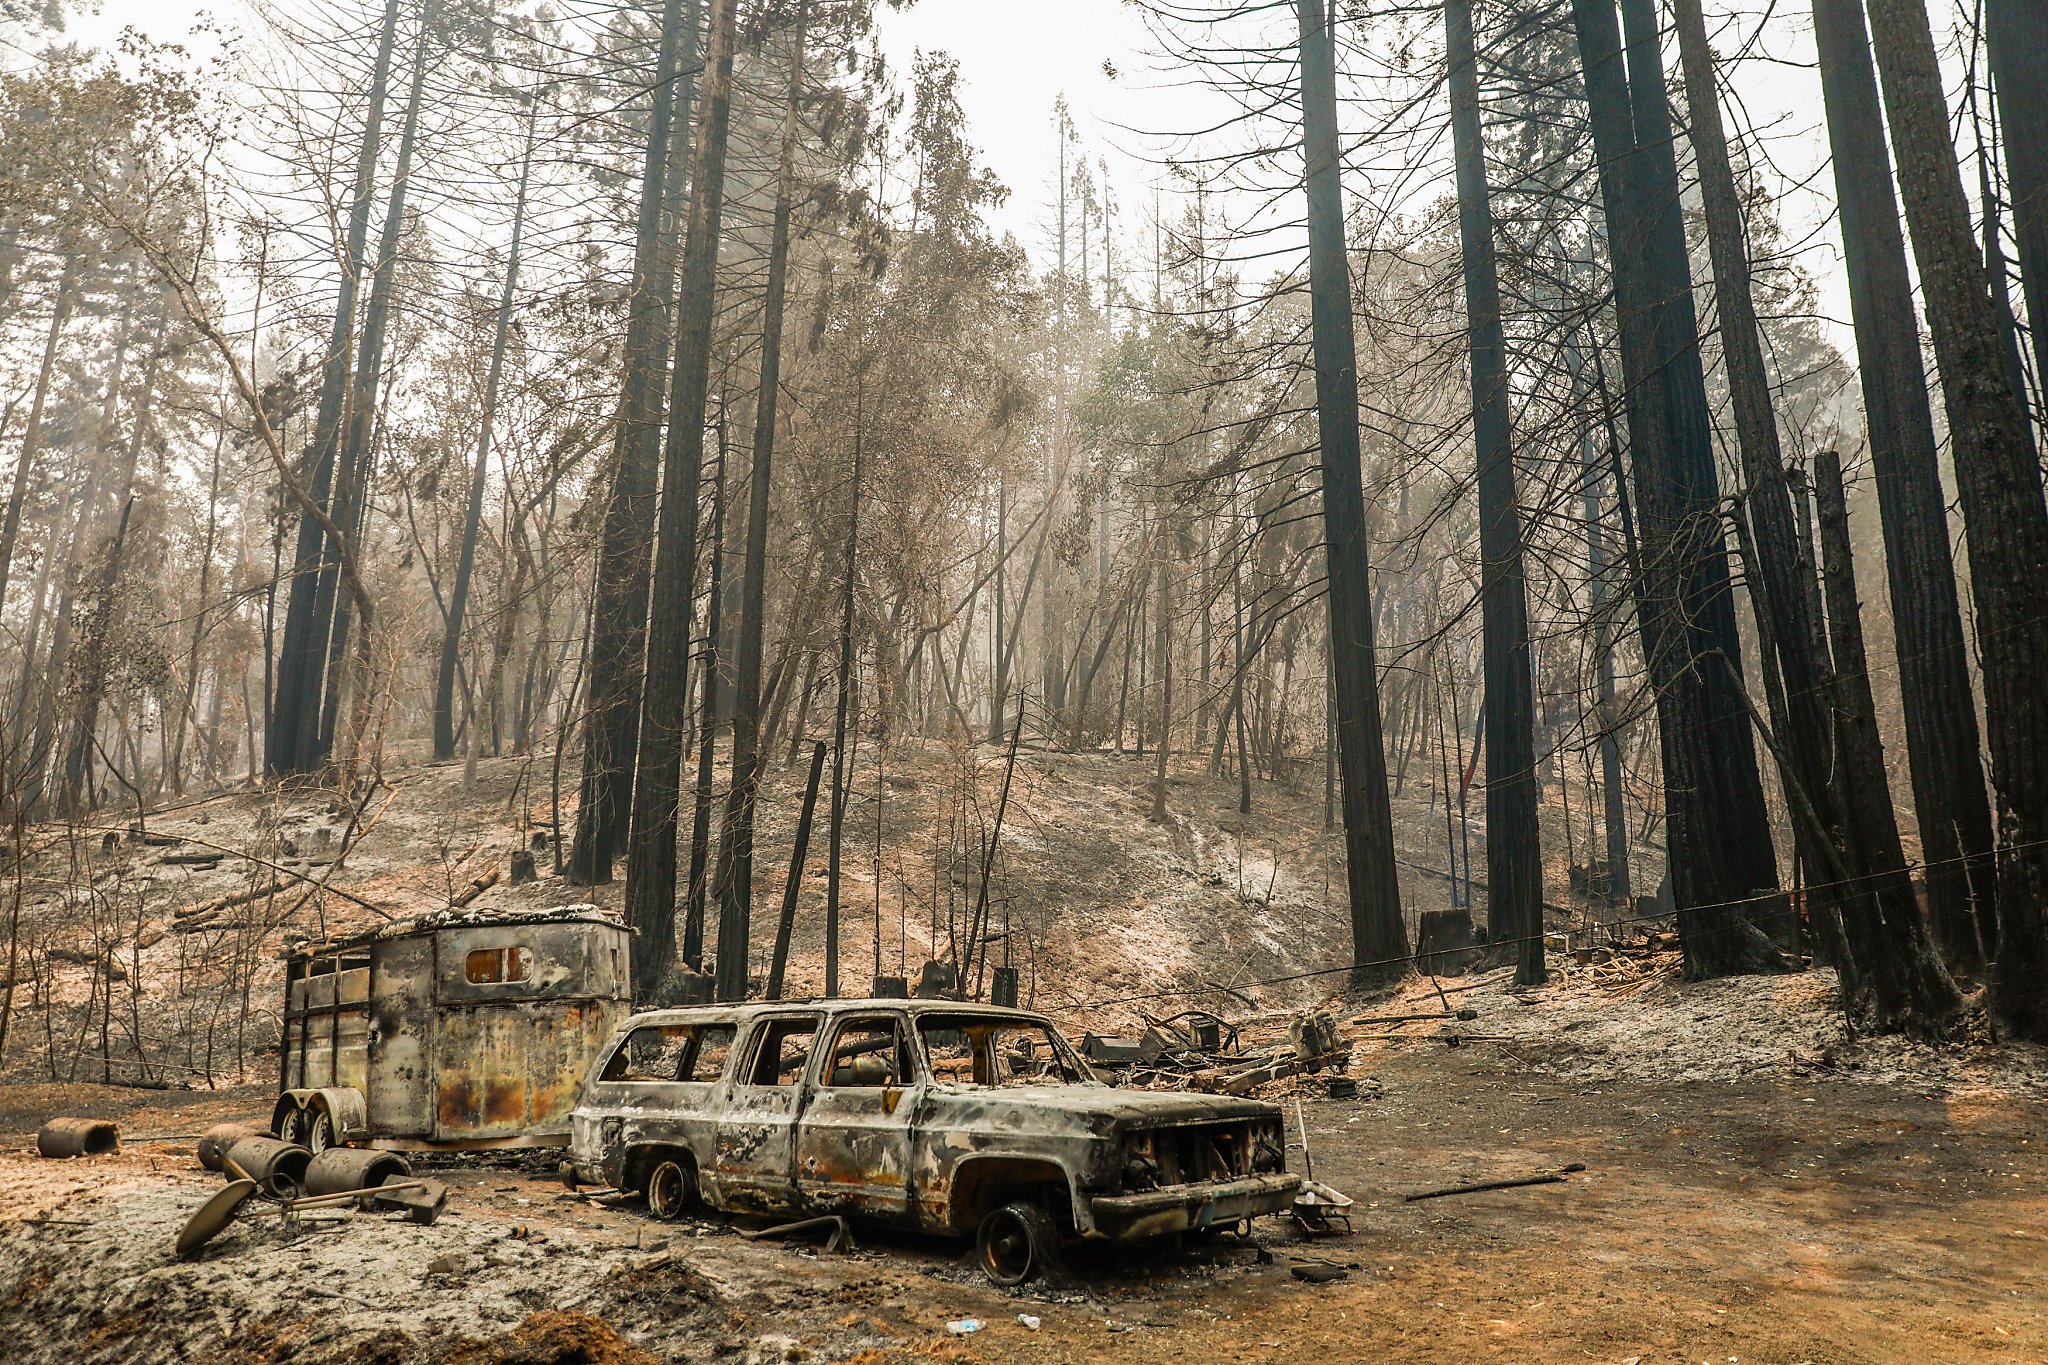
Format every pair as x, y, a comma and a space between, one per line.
78, 1137
279, 1167
341, 1169
215, 1141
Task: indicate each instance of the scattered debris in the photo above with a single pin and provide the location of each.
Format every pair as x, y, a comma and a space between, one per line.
1547, 1178
1030, 1321
964, 1327
837, 1231
1318, 1272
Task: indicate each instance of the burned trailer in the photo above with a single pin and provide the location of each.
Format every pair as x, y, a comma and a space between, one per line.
449, 1030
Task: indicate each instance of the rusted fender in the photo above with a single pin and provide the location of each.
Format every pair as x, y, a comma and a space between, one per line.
348, 1113
78, 1137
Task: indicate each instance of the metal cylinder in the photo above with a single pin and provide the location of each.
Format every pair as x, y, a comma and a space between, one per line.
78, 1137
215, 1141
341, 1169
279, 1167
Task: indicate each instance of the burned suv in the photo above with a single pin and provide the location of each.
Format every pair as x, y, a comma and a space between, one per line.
927, 1114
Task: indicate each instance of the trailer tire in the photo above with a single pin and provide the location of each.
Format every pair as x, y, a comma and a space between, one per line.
319, 1129
671, 1190
1017, 1242
293, 1127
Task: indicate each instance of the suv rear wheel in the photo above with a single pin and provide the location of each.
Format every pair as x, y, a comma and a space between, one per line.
671, 1189
1017, 1242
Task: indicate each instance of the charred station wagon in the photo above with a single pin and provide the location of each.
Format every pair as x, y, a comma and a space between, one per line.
946, 1117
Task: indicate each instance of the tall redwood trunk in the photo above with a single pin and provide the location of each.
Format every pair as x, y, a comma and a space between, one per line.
1998, 480
733, 887
664, 700
618, 614
1721, 858
1950, 804
1379, 934
1514, 858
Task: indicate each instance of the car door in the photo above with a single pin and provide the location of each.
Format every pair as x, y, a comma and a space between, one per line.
853, 1141
754, 1165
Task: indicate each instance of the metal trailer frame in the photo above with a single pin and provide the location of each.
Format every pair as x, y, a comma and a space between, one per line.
450, 1030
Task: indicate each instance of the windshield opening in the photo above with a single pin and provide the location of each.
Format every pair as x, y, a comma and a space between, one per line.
971, 1049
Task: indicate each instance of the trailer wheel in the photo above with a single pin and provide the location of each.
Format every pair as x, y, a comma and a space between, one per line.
671, 1189
1016, 1243
319, 1130
294, 1128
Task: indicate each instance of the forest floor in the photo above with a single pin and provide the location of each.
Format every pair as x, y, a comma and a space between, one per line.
1761, 1183
1793, 1218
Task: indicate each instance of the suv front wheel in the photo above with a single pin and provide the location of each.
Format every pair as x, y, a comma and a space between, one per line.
1017, 1242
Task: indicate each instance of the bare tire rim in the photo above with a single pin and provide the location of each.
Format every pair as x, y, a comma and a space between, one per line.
292, 1127
1008, 1249
320, 1133
668, 1191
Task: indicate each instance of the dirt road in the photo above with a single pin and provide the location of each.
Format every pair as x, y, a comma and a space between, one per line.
1815, 1219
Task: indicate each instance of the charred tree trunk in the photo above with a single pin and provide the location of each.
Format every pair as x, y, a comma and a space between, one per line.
1942, 743
1998, 481
707, 723
2016, 32
465, 564
295, 712
733, 886
611, 715
350, 509
836, 820
1883, 926
664, 703
1514, 858
1379, 934
1721, 856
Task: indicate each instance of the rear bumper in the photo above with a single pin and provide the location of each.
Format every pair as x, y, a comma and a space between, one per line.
1177, 1208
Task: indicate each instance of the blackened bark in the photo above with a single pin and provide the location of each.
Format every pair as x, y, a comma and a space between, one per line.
733, 887
295, 712
1721, 858
658, 773
1379, 935
1514, 858
611, 717
1999, 485
2016, 33
707, 722
785, 922
350, 508
1942, 746
1883, 925
836, 821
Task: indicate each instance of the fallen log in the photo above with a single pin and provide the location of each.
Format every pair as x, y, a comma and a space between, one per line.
227, 902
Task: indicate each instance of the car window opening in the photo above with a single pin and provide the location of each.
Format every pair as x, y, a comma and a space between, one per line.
997, 1053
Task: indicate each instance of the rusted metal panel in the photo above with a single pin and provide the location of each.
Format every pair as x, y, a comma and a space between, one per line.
397, 1086
464, 1029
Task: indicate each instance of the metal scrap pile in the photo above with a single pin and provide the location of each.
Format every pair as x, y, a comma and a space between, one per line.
1197, 1050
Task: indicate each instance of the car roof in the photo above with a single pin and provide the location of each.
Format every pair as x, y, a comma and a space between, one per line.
739, 1013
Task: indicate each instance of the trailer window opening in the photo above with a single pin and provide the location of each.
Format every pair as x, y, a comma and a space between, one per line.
497, 966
